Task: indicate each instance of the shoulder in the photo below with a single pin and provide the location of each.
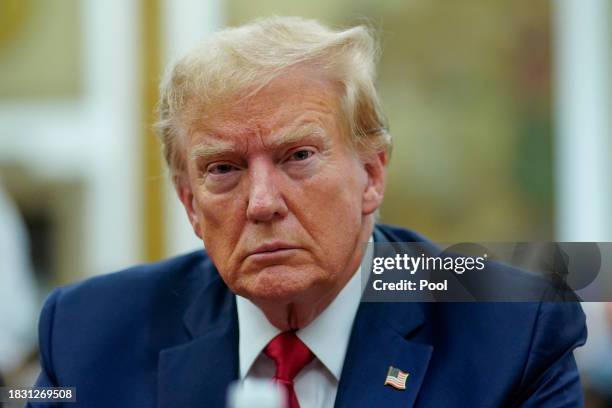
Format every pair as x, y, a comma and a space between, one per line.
122, 315
138, 298
536, 323
171, 277
526, 323
391, 233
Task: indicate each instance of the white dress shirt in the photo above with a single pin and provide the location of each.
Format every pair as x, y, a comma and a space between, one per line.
327, 337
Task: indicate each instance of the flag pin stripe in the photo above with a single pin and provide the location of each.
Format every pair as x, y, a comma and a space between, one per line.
396, 378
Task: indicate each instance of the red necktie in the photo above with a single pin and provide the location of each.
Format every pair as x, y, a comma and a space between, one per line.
290, 355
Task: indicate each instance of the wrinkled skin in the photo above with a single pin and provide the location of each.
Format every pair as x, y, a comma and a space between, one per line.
280, 197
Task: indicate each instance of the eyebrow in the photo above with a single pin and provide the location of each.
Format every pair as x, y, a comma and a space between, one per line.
206, 150
299, 133
285, 137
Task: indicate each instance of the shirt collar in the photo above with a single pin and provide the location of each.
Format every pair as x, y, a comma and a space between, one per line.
255, 332
327, 336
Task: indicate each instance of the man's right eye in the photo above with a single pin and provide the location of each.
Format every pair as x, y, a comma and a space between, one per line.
221, 168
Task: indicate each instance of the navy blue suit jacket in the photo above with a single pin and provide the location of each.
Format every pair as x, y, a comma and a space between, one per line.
166, 335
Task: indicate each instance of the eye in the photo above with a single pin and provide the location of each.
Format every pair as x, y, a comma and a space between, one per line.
221, 168
300, 155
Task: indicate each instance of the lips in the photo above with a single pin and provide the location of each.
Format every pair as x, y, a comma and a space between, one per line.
271, 249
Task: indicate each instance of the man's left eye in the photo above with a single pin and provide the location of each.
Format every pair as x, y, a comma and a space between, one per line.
300, 155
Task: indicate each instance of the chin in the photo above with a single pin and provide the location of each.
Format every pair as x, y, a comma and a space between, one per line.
285, 284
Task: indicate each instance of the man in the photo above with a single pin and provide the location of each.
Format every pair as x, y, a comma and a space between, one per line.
277, 146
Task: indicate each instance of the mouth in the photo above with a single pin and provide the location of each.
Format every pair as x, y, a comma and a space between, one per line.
271, 250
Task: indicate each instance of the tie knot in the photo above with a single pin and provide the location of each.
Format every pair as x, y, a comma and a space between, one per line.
289, 354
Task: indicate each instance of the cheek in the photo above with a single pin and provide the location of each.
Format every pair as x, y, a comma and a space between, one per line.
343, 191
330, 209
221, 222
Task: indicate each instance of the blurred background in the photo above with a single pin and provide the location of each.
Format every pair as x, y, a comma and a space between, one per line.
500, 112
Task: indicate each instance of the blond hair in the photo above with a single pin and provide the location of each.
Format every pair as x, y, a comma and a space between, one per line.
244, 59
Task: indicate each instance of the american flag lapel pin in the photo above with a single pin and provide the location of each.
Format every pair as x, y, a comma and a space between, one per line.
396, 378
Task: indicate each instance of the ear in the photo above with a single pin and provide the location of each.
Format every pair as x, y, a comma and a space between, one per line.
185, 194
376, 170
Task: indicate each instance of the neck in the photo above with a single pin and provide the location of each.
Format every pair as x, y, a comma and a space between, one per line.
299, 314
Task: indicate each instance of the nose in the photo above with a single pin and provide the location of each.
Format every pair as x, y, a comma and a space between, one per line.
265, 199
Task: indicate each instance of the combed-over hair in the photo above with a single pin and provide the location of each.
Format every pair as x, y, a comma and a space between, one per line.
240, 60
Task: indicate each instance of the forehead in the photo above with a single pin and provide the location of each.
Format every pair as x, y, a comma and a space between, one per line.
295, 99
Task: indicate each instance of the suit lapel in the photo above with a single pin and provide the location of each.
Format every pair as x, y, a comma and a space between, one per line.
198, 372
377, 343
383, 335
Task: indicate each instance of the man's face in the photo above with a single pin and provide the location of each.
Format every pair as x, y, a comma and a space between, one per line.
278, 194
